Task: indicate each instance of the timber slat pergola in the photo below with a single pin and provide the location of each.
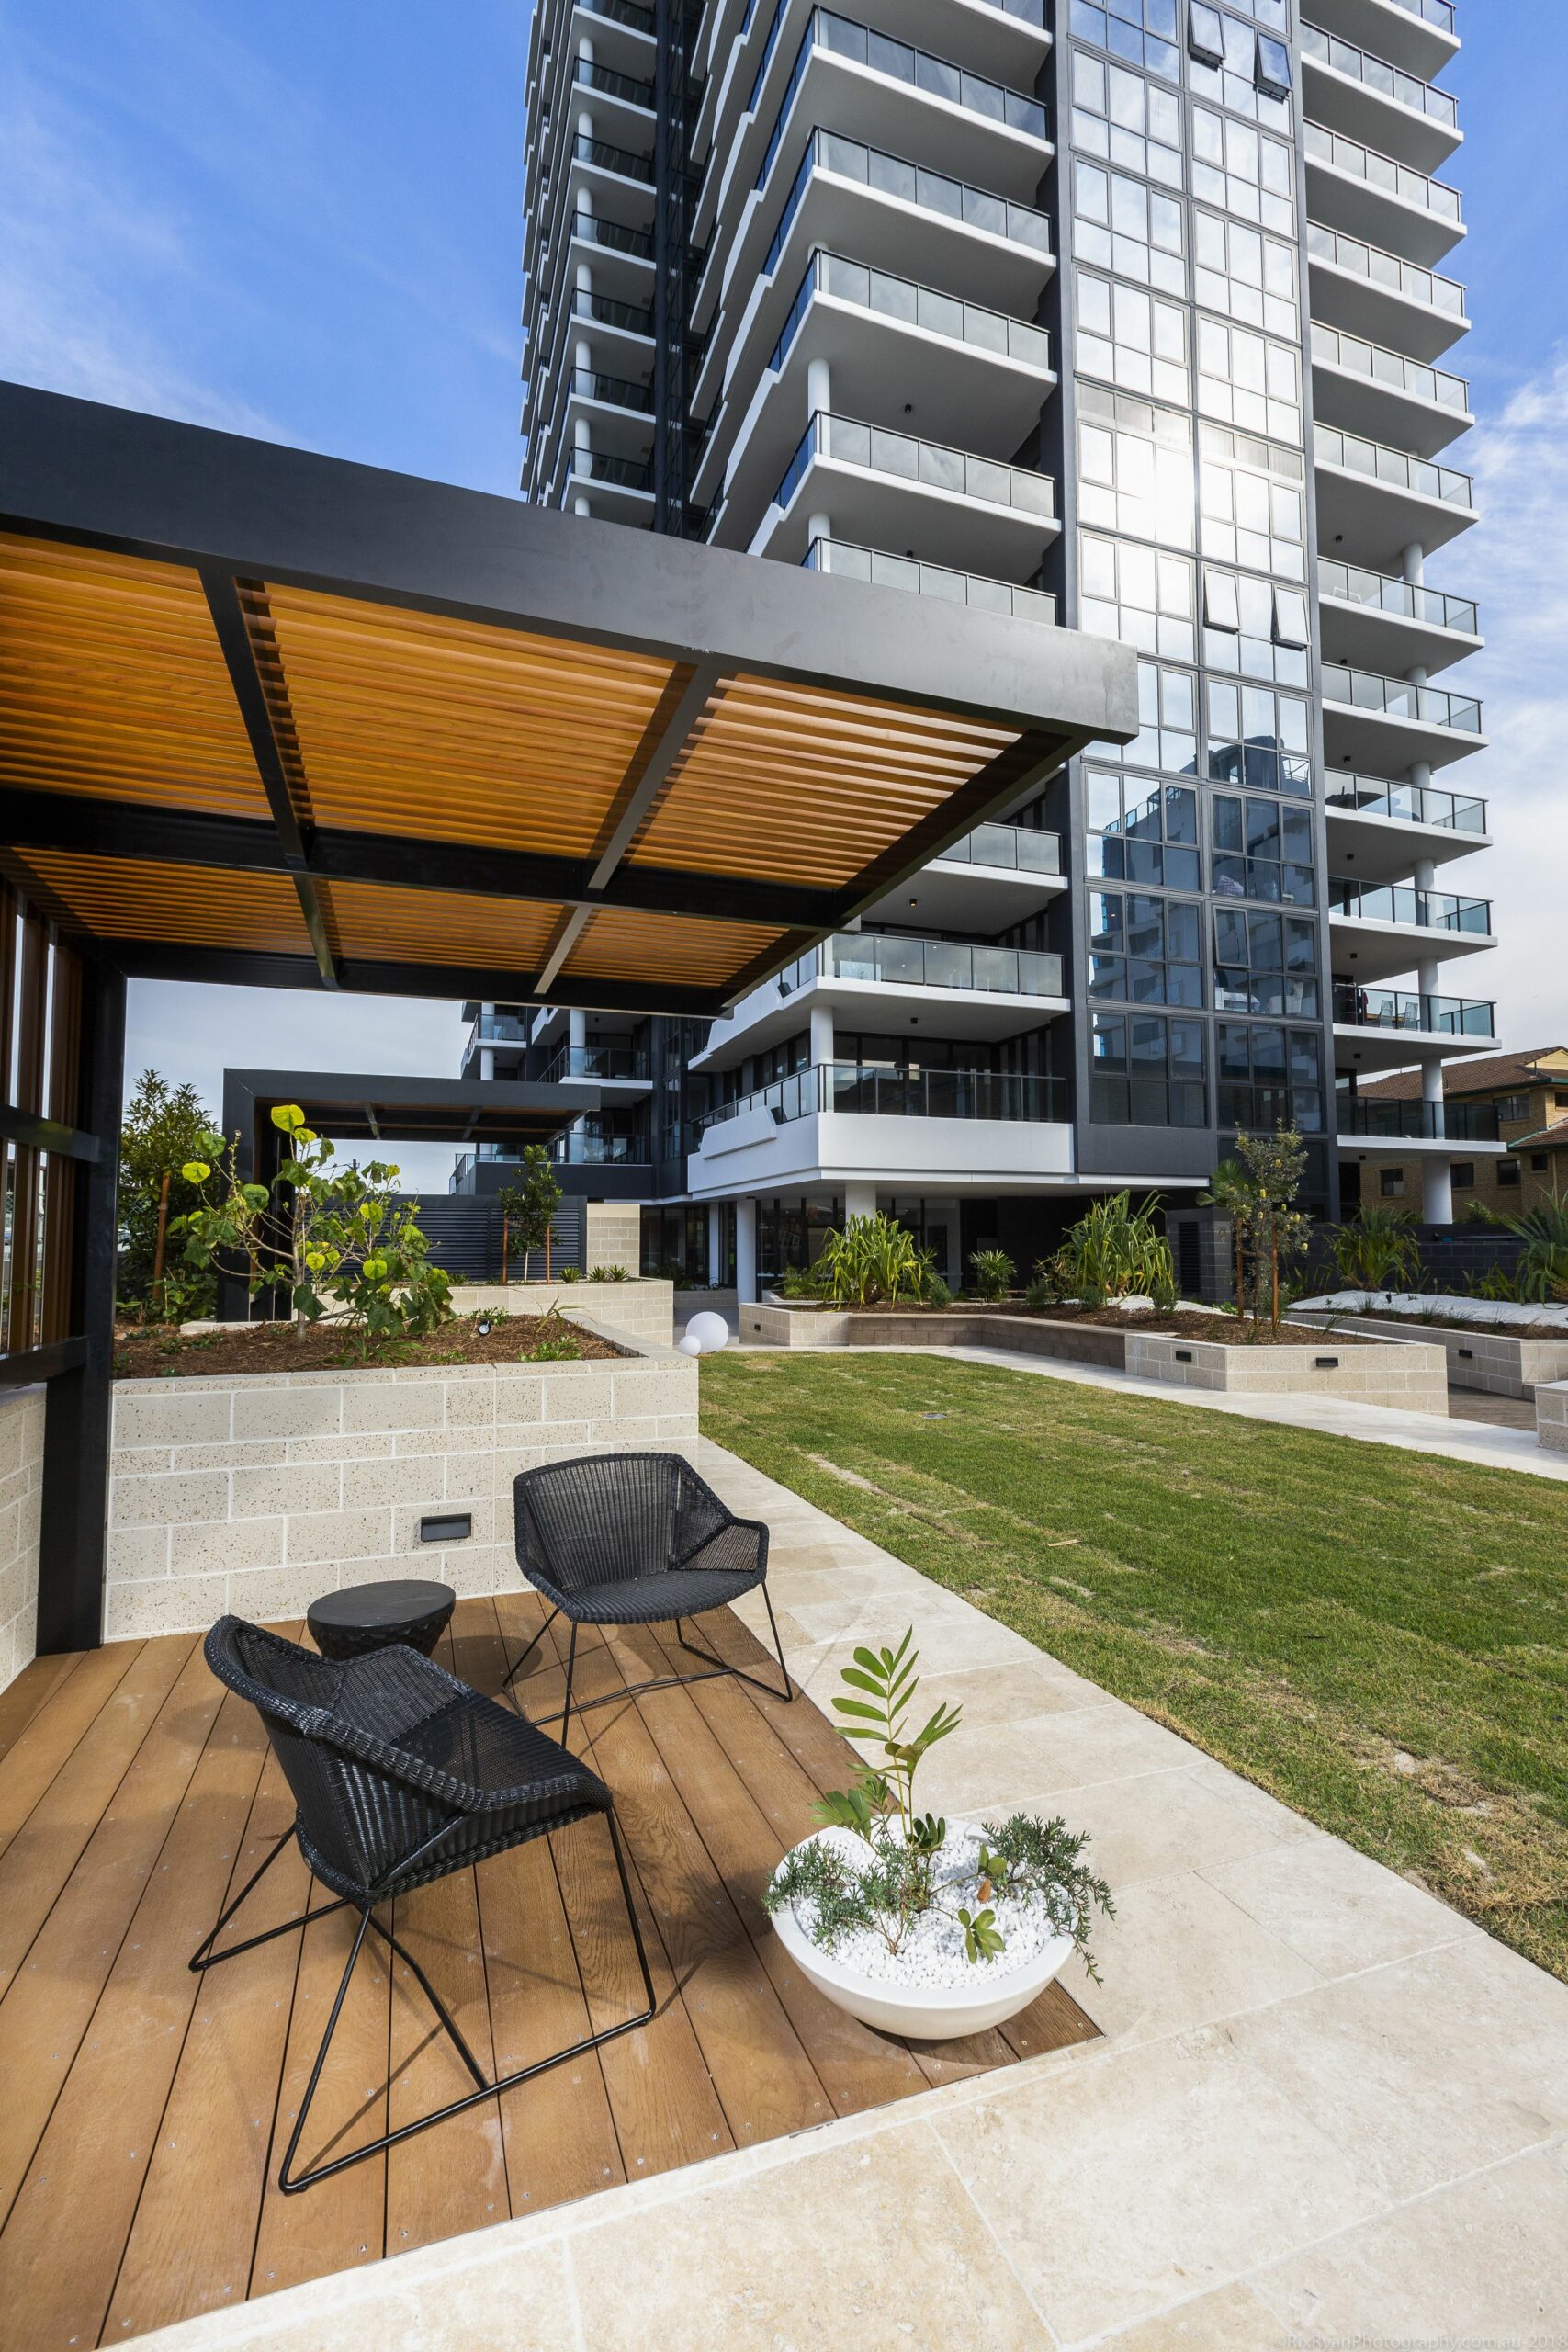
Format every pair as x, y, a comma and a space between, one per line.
272, 719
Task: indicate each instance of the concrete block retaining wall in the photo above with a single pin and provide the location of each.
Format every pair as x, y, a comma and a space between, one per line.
1552, 1415
1403, 1374
21, 1487
256, 1493
1493, 1362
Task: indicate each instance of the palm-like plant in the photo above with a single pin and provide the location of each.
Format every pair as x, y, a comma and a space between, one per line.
1116, 1252
1377, 1250
1543, 1267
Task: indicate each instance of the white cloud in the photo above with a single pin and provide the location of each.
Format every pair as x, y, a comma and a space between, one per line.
1514, 563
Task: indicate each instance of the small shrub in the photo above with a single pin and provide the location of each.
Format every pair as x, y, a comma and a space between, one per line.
556, 1343
610, 1275
1376, 1250
938, 1293
994, 1274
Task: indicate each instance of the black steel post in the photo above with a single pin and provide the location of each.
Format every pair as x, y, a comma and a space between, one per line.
73, 1530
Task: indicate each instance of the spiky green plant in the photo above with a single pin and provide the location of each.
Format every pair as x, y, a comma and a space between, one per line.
1542, 1272
1116, 1252
1377, 1250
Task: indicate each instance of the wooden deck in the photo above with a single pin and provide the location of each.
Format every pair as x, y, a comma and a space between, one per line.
144, 2108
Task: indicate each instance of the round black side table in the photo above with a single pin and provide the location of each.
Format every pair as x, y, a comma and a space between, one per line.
366, 1617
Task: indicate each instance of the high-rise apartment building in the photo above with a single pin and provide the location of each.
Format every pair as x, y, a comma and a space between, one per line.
1132, 315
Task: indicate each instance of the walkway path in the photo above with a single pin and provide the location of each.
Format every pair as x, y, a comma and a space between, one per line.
1325, 2106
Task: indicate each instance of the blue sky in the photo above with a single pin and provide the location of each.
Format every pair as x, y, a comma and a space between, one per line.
302, 222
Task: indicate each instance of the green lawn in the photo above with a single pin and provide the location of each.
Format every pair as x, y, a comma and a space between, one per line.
1379, 1637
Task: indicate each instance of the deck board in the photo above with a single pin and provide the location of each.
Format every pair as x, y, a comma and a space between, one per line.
147, 2108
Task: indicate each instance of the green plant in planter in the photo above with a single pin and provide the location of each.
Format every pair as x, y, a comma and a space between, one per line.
1542, 1272
895, 1881
1115, 1251
994, 1274
872, 1261
795, 1283
340, 1243
556, 1343
1376, 1248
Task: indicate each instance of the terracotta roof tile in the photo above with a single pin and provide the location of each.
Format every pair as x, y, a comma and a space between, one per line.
1494, 1074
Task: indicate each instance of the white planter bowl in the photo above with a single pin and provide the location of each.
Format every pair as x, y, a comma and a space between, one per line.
925, 2012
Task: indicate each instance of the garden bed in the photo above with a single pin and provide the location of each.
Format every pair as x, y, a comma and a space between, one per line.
1512, 1360
160, 1354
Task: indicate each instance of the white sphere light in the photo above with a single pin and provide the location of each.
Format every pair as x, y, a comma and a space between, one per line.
689, 1347
710, 1331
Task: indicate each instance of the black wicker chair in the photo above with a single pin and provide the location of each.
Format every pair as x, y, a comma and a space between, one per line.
636, 1539
401, 1774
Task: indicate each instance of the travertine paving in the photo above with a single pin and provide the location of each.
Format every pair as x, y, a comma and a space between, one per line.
1325, 2106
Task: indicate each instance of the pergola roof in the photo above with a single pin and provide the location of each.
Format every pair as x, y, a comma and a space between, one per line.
271, 717
353, 1106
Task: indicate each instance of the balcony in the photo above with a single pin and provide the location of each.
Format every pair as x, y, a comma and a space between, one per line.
888, 487
602, 1151
995, 876
1372, 1119
1373, 501
621, 488
1368, 291
1367, 389
1382, 829
1380, 722
968, 1128
968, 367
600, 1065
848, 76
1350, 185
1377, 932
1388, 1028
880, 570
617, 410
1410, 627
1418, 35
1347, 89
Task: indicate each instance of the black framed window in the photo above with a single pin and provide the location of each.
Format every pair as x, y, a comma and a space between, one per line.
1142, 31
1269, 1077
1262, 849
1257, 736
1264, 963
1142, 832
1146, 950
1147, 1072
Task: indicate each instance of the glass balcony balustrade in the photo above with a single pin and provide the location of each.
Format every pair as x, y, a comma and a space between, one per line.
1367, 1116
935, 192
589, 76
896, 962
855, 1090
597, 465
1333, 348
606, 158
880, 570
1400, 598
1385, 269
1446, 1016
1401, 902
597, 1062
901, 301
592, 384
608, 312
1011, 849
500, 1029
1381, 172
1395, 467
927, 465
1408, 804
621, 12
1373, 74
1397, 698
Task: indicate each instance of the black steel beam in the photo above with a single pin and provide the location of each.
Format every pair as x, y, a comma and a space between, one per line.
130, 829
38, 1133
222, 594
145, 959
26, 1366
73, 1528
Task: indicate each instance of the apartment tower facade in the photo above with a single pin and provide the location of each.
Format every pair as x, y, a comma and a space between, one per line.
1126, 315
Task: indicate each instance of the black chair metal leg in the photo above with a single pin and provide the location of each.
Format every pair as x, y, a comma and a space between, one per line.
571, 1671
721, 1666
512, 1672
205, 1957
291, 2188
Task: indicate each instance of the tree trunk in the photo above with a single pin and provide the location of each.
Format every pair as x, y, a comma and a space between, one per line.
503, 1241
158, 1250
547, 1253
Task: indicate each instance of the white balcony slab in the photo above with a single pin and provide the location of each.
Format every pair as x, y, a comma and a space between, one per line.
1372, 849
833, 1147
1371, 952
1363, 518
1366, 1049
1382, 742
1369, 637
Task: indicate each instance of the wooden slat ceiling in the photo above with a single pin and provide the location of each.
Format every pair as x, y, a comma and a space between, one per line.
779, 780
111, 682
387, 721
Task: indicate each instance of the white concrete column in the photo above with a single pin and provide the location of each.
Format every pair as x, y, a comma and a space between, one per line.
818, 388
860, 1200
1437, 1191
818, 527
1413, 563
746, 1251
822, 1041
577, 1029
579, 505
487, 1063
716, 1245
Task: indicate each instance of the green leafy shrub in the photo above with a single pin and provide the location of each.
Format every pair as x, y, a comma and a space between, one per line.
871, 1262
1376, 1250
1542, 1271
796, 1282
1115, 1251
338, 1242
164, 1128
993, 1271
